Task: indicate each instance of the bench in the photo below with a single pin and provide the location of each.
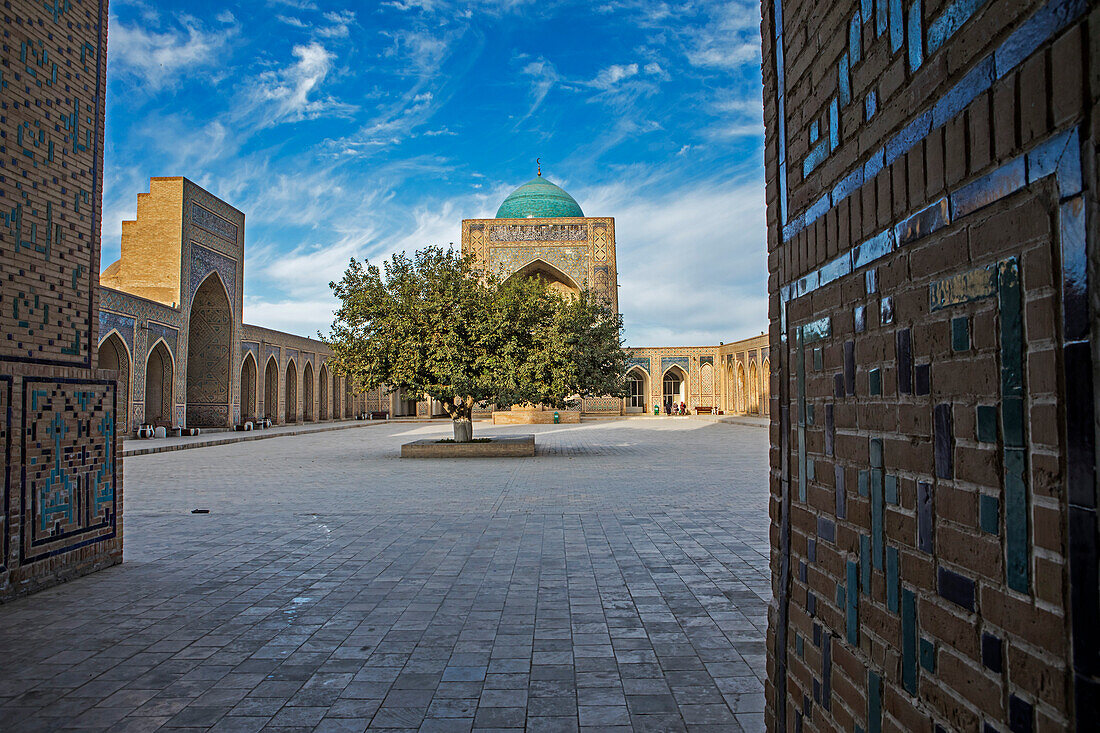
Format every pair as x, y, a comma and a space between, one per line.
704, 410
379, 415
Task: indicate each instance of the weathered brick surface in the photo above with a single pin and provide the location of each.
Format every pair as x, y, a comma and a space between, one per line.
61, 472
929, 252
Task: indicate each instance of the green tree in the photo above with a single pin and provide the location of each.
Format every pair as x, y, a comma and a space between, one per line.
434, 325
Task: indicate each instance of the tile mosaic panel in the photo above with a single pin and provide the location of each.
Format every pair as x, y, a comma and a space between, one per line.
213, 223
69, 486
205, 261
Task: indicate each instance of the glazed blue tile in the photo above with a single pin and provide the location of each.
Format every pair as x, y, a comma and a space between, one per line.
874, 382
834, 125
826, 530
878, 511
811, 548
817, 691
1048, 20
870, 280
810, 414
866, 9
1016, 519
916, 25
960, 333
817, 330
873, 248
1012, 340
928, 655
841, 498
1080, 438
852, 614
875, 449
909, 641
897, 26
811, 471
840, 596
903, 348
855, 38
864, 483
815, 131
956, 588
1069, 170
1075, 285
892, 490
944, 441
811, 604
799, 645
1021, 715
1043, 159
964, 287
838, 385
988, 189
865, 564
859, 316
989, 514
886, 310
882, 18
874, 702
924, 516
849, 183
959, 97
817, 154
922, 379
844, 81
992, 653
950, 20
873, 165
1012, 421
926, 221
870, 105
910, 136
801, 571
818, 361
892, 581
986, 420
826, 670
830, 430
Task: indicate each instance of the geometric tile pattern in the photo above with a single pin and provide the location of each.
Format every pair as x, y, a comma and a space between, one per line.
67, 453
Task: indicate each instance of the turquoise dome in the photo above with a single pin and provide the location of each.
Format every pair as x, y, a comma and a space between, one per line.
538, 199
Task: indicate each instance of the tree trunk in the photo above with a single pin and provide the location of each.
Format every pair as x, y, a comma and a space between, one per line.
464, 430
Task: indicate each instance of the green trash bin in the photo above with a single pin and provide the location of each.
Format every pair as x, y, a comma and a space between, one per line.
557, 417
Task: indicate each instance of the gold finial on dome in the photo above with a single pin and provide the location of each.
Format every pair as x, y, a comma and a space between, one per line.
539, 164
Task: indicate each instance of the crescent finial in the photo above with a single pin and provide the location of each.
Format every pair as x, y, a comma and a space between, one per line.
539, 164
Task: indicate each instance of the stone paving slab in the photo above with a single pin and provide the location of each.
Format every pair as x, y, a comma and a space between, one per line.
616, 580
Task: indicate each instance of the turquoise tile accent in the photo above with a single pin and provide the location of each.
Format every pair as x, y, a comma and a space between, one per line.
538, 198
960, 333
817, 330
844, 80
916, 49
877, 510
989, 514
892, 579
1012, 344
801, 367
987, 423
865, 563
909, 641
874, 702
1012, 421
1016, 520
810, 414
892, 490
840, 602
876, 452
811, 470
799, 645
897, 27
815, 131
853, 604
864, 483
855, 40
874, 381
963, 288
818, 360
928, 655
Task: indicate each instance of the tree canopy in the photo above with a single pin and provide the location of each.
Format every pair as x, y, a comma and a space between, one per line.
434, 324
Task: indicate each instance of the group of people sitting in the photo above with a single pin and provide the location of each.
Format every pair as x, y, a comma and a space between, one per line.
671, 408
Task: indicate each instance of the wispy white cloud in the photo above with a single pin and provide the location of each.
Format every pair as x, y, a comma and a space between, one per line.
159, 59
291, 94
730, 39
339, 23
612, 75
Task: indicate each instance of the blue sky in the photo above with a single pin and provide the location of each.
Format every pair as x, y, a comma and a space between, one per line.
361, 129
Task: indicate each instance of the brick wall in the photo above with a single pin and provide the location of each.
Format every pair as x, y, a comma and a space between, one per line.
61, 472
931, 202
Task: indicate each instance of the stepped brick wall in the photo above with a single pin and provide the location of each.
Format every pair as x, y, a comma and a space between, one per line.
931, 190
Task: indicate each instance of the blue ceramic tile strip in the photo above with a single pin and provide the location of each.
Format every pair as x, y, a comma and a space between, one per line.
827, 671
909, 641
956, 588
801, 366
841, 499
943, 436
1012, 421
897, 27
844, 81
949, 21
882, 18
964, 287
989, 511
1047, 21
924, 517
903, 349
916, 48
878, 509
986, 418
865, 564
928, 655
874, 702
870, 106
855, 37
853, 603
960, 333
892, 490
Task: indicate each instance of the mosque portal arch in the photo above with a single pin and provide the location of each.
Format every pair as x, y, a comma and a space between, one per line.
290, 392
307, 393
323, 392
638, 381
271, 390
248, 388
674, 386
159, 372
209, 336
555, 279
114, 355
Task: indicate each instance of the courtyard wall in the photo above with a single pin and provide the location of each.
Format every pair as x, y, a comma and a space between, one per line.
931, 196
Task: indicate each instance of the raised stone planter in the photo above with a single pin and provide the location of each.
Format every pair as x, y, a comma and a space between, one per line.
536, 416
511, 446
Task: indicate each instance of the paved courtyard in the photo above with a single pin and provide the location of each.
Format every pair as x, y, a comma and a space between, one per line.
617, 580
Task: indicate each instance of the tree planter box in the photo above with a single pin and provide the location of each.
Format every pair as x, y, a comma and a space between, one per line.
512, 446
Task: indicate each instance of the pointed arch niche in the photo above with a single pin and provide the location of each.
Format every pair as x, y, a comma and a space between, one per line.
209, 339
